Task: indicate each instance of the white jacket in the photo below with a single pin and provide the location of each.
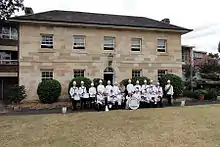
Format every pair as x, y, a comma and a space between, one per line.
170, 92
92, 91
116, 90
108, 88
130, 88
101, 88
82, 90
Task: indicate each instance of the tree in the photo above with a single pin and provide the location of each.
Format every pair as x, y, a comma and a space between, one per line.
8, 8
213, 55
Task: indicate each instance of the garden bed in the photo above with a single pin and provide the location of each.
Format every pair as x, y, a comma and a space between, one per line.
38, 106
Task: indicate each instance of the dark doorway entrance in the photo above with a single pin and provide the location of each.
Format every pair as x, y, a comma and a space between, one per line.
5, 84
109, 75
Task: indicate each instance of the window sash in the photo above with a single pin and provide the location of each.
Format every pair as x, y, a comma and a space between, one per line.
161, 73
161, 45
46, 74
136, 73
78, 73
78, 41
136, 43
8, 33
46, 41
109, 42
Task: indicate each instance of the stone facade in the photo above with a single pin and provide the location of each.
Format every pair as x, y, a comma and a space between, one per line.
63, 59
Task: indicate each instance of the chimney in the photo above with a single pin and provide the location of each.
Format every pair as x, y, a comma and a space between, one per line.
28, 10
166, 20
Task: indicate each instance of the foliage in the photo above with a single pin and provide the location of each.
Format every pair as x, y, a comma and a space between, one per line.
8, 8
87, 82
49, 91
209, 66
201, 92
16, 93
190, 94
96, 81
211, 94
133, 80
176, 81
188, 69
213, 55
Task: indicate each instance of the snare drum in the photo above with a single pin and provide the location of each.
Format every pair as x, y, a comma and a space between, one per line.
133, 103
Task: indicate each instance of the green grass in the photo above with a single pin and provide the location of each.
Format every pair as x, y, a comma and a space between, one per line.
197, 126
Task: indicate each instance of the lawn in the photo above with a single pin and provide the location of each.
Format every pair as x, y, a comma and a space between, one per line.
197, 126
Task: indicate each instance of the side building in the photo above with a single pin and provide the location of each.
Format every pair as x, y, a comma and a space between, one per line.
65, 44
9, 66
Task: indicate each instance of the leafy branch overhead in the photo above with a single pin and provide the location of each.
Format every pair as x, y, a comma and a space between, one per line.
8, 8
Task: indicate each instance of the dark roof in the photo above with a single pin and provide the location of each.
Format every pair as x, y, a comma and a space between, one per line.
101, 19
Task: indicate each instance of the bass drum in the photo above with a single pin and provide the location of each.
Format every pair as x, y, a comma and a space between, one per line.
133, 103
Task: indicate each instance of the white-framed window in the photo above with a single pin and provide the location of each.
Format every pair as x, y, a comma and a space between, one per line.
78, 73
8, 33
161, 73
161, 45
46, 74
136, 44
109, 43
46, 41
136, 73
79, 42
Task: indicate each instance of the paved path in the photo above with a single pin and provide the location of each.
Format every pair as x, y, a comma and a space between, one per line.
4, 112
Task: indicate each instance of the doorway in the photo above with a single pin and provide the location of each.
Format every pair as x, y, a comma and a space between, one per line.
109, 75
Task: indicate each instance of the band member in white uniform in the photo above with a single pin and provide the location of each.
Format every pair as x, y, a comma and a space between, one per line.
159, 91
112, 98
84, 96
100, 87
109, 87
92, 94
169, 92
137, 94
127, 99
74, 93
130, 87
145, 95
152, 93
117, 93
101, 99
137, 86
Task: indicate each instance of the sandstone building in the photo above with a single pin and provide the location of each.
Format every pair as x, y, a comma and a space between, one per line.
64, 44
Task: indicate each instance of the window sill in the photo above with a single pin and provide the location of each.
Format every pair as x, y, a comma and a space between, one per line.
162, 54
136, 53
46, 50
79, 51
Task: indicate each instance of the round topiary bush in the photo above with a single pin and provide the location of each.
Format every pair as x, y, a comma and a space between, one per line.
87, 82
176, 81
49, 91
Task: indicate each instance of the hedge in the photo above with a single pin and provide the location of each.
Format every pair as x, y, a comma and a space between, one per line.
133, 80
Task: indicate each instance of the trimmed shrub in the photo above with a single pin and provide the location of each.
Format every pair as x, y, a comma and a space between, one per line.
87, 82
176, 81
49, 91
96, 81
211, 94
15, 94
190, 94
